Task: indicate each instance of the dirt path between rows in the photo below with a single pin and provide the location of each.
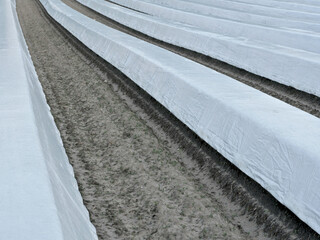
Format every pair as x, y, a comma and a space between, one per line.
135, 183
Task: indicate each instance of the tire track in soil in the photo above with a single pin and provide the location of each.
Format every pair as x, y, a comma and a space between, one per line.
135, 182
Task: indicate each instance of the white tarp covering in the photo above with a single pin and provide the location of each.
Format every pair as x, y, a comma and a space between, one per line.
288, 57
307, 2
39, 197
294, 5
233, 14
272, 142
256, 33
256, 9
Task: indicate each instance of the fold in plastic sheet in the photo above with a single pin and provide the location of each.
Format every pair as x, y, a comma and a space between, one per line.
274, 143
225, 11
264, 35
299, 15
294, 5
39, 196
288, 57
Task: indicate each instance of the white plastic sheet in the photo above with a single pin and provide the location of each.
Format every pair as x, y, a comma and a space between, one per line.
39, 197
261, 10
272, 142
290, 58
293, 5
307, 2
256, 33
233, 14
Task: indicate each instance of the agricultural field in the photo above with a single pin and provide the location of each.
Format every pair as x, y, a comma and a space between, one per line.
159, 119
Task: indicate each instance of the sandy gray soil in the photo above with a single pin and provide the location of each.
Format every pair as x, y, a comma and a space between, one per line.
135, 183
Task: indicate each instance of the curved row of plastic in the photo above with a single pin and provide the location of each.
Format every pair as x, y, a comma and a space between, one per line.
296, 15
307, 2
288, 57
225, 11
265, 137
258, 34
39, 194
294, 5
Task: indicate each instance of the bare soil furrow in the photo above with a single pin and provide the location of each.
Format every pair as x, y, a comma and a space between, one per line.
142, 173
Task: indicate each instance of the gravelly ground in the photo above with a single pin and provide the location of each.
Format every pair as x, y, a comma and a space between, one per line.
133, 183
